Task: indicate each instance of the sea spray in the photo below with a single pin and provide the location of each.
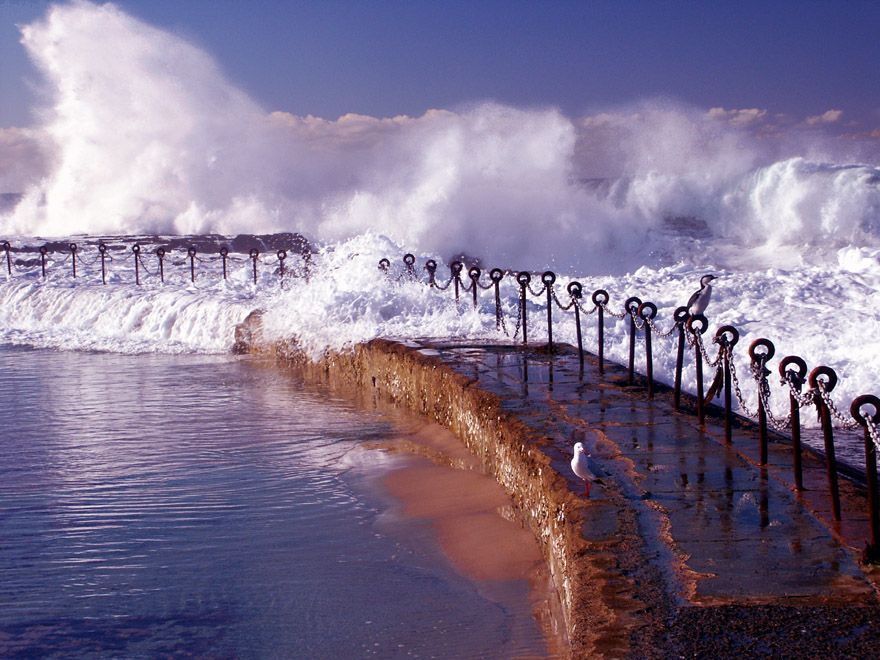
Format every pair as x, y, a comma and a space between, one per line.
146, 135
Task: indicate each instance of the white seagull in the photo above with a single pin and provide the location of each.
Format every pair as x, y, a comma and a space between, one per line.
699, 301
580, 466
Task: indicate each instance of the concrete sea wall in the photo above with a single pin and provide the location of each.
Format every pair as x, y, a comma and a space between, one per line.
505, 446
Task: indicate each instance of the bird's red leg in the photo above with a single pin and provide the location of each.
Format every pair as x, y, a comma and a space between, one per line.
586, 487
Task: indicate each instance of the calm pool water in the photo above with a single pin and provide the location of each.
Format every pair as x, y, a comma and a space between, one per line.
160, 505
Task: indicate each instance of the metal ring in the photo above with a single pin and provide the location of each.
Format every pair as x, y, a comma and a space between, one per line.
384, 264
6, 245
798, 362
575, 290
409, 259
548, 277
632, 303
726, 330
496, 274
102, 248
191, 251
44, 250
523, 277
865, 400
160, 252
681, 315
474, 273
649, 306
73, 247
697, 320
600, 297
456, 267
829, 374
282, 255
136, 248
431, 266
254, 253
224, 251
769, 352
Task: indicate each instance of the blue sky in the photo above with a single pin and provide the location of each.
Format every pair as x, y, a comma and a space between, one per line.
384, 58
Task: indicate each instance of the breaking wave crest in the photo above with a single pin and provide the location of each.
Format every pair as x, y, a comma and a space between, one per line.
146, 135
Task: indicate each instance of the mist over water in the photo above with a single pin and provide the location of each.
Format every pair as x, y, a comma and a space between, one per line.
145, 135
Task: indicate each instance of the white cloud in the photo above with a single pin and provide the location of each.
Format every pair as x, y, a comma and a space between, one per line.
828, 117
737, 116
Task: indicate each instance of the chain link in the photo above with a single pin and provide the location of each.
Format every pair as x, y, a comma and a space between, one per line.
564, 308
592, 309
537, 294
698, 341
873, 432
620, 316
848, 424
657, 332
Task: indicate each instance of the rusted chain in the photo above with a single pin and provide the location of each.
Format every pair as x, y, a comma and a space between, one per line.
616, 315
848, 424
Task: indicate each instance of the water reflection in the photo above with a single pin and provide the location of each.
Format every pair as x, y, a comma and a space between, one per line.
154, 505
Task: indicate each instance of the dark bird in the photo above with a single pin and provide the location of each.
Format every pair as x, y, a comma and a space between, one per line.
700, 298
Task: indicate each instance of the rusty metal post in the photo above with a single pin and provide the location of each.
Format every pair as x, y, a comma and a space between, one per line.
6, 248
647, 311
136, 250
43, 251
224, 254
630, 307
307, 265
697, 325
759, 360
254, 254
727, 336
600, 298
160, 253
455, 268
798, 378
474, 274
873, 550
829, 378
496, 275
680, 316
576, 291
431, 267
549, 278
282, 255
192, 263
73, 258
409, 260
523, 278
102, 248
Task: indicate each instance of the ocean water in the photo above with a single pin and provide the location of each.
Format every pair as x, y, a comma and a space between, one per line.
201, 505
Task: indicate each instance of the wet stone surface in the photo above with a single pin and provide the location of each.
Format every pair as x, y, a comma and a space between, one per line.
725, 555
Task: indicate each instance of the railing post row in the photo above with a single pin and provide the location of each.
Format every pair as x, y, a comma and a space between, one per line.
647, 311
600, 300
797, 379
576, 291
523, 278
829, 379
873, 550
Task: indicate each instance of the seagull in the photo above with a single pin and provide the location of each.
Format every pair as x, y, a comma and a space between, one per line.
699, 301
580, 466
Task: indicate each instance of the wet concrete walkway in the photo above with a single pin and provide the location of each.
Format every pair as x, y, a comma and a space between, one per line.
682, 522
